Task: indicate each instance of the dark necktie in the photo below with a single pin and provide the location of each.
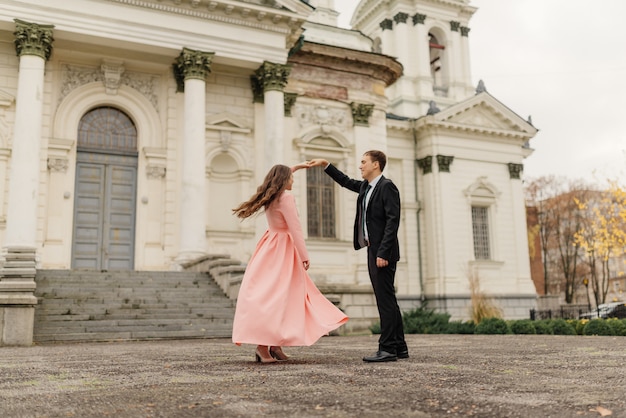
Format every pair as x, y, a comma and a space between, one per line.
363, 209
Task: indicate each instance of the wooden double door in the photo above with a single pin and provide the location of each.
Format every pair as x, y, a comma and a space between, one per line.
104, 211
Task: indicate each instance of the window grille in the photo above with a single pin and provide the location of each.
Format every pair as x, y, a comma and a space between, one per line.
107, 129
320, 204
480, 227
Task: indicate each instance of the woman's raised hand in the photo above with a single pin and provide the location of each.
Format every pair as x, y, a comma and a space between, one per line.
315, 162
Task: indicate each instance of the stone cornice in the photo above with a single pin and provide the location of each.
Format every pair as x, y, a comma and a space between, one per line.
377, 66
278, 19
370, 8
433, 126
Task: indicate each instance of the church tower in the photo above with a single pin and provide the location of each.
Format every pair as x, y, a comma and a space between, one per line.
430, 39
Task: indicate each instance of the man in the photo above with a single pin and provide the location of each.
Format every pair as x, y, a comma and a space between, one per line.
376, 227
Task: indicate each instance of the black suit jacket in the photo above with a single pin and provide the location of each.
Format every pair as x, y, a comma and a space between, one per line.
383, 213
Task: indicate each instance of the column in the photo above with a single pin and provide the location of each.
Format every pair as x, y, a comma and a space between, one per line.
272, 79
465, 61
191, 70
33, 44
456, 88
405, 98
424, 80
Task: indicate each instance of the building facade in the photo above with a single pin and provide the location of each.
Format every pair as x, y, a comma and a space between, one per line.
129, 130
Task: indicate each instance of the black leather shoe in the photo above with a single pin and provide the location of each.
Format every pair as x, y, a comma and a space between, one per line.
403, 354
380, 356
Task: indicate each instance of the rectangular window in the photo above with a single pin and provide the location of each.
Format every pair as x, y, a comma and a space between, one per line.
320, 204
480, 228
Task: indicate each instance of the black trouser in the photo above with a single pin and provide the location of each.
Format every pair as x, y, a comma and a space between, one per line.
391, 330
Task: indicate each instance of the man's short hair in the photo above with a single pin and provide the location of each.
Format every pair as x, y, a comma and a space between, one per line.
379, 156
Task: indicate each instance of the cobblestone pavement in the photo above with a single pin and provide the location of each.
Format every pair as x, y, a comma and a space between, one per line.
446, 375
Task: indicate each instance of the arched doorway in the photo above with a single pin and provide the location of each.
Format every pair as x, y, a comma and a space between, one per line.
105, 191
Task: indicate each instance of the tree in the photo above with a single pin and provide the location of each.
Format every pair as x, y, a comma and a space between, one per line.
559, 219
603, 236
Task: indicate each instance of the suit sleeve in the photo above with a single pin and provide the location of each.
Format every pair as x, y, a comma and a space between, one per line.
391, 205
290, 212
342, 179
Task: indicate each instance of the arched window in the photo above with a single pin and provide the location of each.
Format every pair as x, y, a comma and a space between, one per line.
482, 197
437, 62
106, 129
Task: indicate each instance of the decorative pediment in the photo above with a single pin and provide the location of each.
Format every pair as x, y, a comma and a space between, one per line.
226, 122
483, 113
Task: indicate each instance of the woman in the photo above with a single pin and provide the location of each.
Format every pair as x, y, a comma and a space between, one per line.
278, 303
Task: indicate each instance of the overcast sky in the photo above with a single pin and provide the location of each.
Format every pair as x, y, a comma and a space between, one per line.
564, 63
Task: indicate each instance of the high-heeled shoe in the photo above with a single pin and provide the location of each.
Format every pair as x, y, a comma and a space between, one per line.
263, 356
277, 353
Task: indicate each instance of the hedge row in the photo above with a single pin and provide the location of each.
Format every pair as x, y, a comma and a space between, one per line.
425, 321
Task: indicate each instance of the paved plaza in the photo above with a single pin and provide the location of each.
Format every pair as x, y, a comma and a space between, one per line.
446, 375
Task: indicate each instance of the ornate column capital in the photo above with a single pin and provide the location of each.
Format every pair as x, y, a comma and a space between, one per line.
191, 64
465, 31
33, 39
361, 113
270, 76
444, 162
418, 18
515, 170
454, 26
289, 100
401, 17
386, 24
426, 164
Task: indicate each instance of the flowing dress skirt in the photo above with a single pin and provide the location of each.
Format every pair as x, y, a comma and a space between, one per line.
278, 303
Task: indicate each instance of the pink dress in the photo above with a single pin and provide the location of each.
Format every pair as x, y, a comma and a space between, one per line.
278, 303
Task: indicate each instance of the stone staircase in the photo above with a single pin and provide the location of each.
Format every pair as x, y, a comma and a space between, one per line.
129, 305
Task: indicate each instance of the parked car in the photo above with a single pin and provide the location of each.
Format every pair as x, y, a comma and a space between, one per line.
607, 310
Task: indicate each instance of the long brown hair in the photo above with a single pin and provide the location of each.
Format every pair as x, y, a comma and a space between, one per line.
274, 184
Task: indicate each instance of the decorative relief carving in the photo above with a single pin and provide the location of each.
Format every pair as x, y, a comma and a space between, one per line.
74, 76
418, 19
454, 26
154, 171
465, 31
272, 76
444, 162
155, 162
386, 24
112, 71
361, 113
426, 164
515, 170
401, 17
290, 100
58, 154
322, 116
191, 64
58, 164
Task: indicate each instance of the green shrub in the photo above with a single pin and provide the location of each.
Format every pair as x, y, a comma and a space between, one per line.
425, 321
375, 328
562, 327
597, 327
523, 326
492, 326
580, 326
459, 327
543, 327
617, 325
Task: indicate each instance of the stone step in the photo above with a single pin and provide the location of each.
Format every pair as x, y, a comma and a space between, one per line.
104, 306
133, 335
